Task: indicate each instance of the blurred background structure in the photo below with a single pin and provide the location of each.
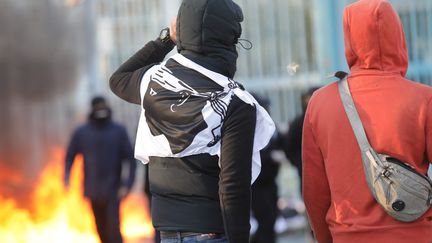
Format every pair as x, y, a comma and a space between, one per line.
56, 54
44, 64
296, 43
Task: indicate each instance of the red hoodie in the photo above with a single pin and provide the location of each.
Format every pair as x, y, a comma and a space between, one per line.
397, 116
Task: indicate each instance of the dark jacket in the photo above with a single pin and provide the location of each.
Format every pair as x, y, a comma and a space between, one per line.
293, 142
269, 166
105, 147
193, 193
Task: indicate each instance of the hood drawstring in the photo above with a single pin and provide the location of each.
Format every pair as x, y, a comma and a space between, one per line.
242, 42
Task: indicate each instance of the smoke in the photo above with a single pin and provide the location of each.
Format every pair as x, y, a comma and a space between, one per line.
42, 56
41, 43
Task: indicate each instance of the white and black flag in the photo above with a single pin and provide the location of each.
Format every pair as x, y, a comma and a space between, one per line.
181, 118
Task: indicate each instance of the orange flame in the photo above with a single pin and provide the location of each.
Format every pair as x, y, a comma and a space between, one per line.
57, 215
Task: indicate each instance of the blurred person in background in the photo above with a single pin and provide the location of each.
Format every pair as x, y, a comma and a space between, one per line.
292, 143
200, 132
265, 190
106, 149
397, 118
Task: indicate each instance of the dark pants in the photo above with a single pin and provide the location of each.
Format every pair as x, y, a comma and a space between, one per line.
106, 214
264, 208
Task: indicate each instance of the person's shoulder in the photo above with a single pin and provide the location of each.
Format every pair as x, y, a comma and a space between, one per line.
240, 104
328, 89
238, 107
82, 128
324, 94
420, 87
118, 127
415, 92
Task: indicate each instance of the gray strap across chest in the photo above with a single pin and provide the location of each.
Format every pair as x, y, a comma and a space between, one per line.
356, 124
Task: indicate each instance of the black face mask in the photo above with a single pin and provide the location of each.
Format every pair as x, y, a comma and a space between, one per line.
100, 115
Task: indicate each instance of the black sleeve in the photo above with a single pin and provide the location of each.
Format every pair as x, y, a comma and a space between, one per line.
235, 175
125, 81
292, 140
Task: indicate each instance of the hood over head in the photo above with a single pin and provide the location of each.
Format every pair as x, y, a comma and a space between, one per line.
100, 111
208, 31
374, 37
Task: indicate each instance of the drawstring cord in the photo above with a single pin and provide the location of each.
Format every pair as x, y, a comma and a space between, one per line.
242, 42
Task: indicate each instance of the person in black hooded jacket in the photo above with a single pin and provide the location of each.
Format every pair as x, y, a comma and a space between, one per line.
292, 143
197, 195
106, 149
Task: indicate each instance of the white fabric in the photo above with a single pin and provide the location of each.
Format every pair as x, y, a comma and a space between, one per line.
148, 145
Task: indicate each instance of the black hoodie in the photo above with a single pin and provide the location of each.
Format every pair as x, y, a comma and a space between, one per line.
208, 31
192, 193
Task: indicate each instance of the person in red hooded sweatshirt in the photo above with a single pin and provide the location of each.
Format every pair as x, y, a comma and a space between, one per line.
397, 116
